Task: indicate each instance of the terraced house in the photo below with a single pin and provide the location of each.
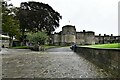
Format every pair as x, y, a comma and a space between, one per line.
68, 36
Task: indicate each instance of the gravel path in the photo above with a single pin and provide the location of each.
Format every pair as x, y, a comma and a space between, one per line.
54, 63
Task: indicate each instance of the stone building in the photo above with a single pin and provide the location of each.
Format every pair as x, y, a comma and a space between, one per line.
68, 36
85, 37
99, 39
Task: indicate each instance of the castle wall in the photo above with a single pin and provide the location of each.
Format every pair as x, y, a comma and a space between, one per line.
85, 38
106, 39
56, 39
68, 36
89, 38
80, 38
96, 39
68, 39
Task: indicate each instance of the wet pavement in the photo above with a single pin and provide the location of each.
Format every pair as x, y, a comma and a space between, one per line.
53, 63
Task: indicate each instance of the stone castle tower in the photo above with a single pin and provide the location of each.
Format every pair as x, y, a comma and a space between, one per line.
68, 36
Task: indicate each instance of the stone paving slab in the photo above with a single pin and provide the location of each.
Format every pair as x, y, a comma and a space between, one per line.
30, 64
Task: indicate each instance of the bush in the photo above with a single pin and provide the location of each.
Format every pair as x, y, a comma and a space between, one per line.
40, 37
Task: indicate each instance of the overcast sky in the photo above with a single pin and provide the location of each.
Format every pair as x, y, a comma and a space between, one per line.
100, 16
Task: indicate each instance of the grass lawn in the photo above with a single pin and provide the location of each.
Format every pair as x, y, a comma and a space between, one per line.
47, 46
113, 45
20, 47
26, 47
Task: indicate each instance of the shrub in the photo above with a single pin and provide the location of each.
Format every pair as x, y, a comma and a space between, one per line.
40, 37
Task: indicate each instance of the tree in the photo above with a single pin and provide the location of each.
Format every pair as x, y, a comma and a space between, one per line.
38, 37
36, 16
10, 24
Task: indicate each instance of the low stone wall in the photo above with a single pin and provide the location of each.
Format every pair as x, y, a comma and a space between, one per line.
108, 59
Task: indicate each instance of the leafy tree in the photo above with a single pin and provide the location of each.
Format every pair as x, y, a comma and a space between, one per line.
38, 37
10, 24
36, 16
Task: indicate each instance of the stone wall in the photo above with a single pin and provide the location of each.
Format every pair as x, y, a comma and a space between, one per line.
68, 29
106, 39
108, 59
80, 38
68, 35
56, 39
89, 37
85, 37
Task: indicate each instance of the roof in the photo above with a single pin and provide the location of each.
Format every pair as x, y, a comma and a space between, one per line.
68, 26
86, 32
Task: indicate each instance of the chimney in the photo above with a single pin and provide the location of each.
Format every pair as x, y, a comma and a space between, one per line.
84, 31
111, 35
104, 34
99, 35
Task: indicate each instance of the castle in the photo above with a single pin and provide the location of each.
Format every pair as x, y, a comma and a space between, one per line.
68, 36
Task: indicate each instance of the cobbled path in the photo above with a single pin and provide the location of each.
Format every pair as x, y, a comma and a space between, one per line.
53, 63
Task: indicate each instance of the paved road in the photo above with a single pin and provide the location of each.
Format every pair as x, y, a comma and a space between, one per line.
54, 63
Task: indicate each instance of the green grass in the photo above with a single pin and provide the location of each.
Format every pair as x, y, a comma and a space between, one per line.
26, 47
47, 46
113, 45
20, 47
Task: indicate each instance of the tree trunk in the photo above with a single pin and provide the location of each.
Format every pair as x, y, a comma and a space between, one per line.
11, 41
23, 31
50, 39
